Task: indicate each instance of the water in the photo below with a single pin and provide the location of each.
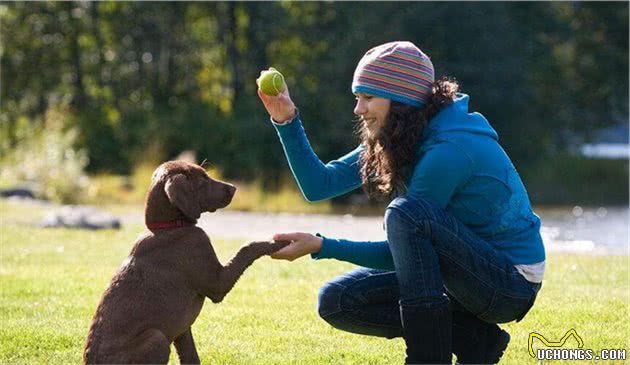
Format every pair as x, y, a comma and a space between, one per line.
602, 230
599, 230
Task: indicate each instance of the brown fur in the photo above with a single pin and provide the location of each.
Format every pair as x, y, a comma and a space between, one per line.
159, 290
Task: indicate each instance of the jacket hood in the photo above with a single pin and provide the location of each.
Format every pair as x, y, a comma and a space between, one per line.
456, 118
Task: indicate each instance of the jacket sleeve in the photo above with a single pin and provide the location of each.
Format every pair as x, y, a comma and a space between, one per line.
439, 172
317, 181
372, 254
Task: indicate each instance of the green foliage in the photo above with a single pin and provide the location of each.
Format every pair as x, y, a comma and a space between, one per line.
108, 189
48, 161
285, 199
146, 81
573, 179
52, 280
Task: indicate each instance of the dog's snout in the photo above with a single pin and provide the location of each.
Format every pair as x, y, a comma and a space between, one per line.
231, 189
221, 195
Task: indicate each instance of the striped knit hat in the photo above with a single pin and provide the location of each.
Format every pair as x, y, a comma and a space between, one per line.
398, 71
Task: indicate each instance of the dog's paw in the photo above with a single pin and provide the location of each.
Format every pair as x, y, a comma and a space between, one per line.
267, 247
277, 245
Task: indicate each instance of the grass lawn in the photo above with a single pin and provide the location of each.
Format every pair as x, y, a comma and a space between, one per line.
51, 281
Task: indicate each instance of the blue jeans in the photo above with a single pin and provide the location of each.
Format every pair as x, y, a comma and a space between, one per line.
438, 260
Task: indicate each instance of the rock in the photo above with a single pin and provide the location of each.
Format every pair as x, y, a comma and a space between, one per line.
24, 193
85, 217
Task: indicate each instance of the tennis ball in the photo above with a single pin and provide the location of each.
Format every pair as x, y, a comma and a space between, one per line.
271, 82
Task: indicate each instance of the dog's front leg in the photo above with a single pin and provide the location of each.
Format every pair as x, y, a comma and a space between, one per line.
186, 350
247, 254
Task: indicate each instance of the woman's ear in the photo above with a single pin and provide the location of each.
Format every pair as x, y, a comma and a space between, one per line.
181, 194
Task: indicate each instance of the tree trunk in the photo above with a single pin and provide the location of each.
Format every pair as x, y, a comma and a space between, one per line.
227, 34
79, 97
98, 39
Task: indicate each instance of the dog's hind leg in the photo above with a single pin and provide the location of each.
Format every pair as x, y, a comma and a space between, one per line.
151, 347
185, 346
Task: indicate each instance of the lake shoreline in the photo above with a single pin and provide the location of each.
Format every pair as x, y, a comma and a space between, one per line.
582, 230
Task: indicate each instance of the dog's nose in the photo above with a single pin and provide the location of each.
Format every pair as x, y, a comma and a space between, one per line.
231, 189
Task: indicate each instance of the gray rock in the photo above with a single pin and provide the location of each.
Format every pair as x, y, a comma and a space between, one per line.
19, 192
84, 217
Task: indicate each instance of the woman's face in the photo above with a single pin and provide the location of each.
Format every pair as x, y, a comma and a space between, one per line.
372, 110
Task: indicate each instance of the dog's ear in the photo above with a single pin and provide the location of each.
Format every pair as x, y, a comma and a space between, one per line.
179, 191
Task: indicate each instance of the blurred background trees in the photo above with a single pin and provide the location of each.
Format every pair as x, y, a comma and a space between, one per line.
140, 82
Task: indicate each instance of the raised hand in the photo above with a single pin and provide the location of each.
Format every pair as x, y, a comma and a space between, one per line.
279, 107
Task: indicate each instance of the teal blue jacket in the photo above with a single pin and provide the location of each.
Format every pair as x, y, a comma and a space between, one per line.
459, 165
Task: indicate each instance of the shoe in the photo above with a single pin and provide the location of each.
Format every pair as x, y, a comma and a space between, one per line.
476, 341
495, 350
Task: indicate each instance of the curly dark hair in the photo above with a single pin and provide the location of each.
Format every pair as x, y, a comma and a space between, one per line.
389, 155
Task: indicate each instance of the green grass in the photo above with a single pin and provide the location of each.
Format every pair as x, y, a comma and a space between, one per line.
51, 281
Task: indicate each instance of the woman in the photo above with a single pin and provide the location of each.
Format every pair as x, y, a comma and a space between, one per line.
463, 249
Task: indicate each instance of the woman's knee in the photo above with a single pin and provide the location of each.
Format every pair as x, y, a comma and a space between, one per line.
402, 215
410, 213
396, 218
342, 294
334, 308
329, 300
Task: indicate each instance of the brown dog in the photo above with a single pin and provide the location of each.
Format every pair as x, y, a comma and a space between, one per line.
159, 290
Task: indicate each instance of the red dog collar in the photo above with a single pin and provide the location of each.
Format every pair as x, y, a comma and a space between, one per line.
169, 224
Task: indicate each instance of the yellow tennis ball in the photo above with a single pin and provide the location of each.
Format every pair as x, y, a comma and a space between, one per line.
271, 82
